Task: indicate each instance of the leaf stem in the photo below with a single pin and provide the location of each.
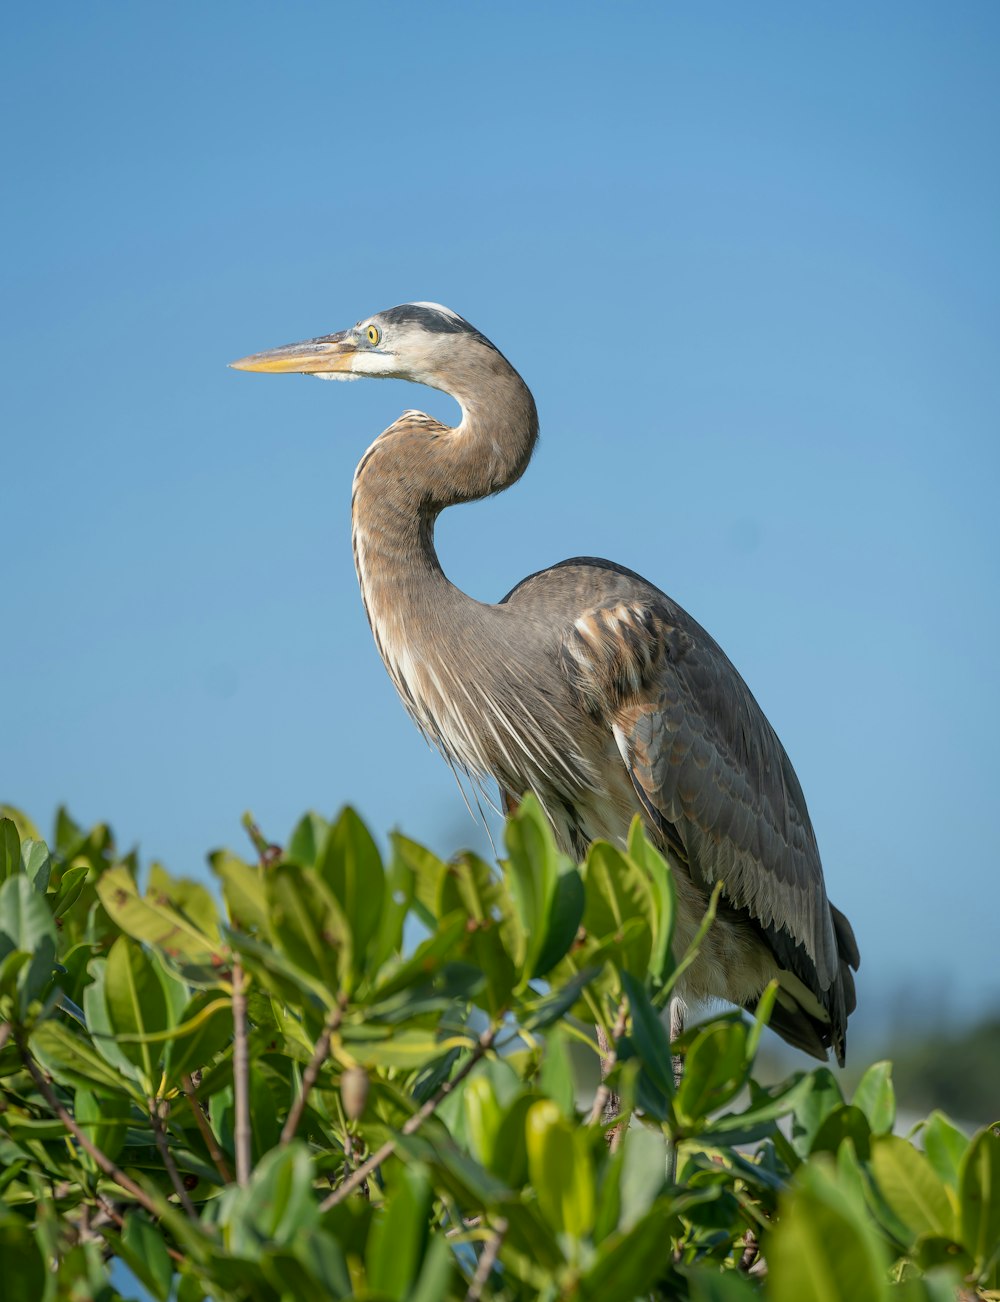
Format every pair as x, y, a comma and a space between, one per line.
362, 1172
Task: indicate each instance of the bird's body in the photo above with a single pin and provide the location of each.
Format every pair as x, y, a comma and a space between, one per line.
585, 685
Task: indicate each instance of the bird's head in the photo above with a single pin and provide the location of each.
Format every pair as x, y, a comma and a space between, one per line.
424, 342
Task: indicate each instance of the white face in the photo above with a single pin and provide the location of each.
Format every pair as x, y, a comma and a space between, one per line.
402, 343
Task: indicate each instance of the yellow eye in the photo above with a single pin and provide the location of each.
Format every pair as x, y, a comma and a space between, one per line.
373, 334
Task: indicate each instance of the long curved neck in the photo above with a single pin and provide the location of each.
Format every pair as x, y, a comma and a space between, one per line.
415, 469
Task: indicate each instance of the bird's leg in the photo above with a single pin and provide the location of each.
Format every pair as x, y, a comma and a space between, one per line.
677, 1011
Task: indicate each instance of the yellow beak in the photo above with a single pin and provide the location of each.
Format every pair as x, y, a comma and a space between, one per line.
310, 357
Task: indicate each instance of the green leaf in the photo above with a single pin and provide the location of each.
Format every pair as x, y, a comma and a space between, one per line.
26, 924
95, 1007
351, 867
649, 1036
309, 926
10, 849
437, 1274
876, 1098
765, 1107
482, 1117
812, 1110
154, 918
37, 864
398, 1239
845, 1122
561, 1169
400, 886
661, 880
275, 1207
715, 1069
203, 1030
24, 1269
307, 840
979, 1192
531, 870
407, 1049
618, 892
824, 1247
563, 920
103, 1120
944, 1146
911, 1188
137, 1005
70, 1060
243, 891
146, 1254
629, 1265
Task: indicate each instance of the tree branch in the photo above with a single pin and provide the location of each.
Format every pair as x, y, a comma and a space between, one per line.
487, 1258
362, 1173
207, 1133
311, 1074
159, 1135
102, 1160
241, 1076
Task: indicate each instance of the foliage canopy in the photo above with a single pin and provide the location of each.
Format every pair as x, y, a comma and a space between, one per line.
293, 1097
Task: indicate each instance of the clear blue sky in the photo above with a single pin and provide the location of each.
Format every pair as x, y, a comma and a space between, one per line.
745, 255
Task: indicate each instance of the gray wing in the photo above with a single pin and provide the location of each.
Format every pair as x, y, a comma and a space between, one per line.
716, 782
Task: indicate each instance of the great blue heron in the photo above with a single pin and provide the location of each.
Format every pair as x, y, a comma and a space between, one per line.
585, 685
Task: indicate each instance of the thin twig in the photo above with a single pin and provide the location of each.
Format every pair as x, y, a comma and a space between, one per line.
207, 1133
607, 1103
311, 1074
102, 1160
160, 1137
361, 1173
241, 1076
487, 1259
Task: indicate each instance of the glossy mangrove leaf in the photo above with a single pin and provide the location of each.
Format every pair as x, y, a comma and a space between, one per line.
203, 1029
154, 919
944, 1146
242, 890
37, 864
399, 1237
137, 1006
145, 1253
845, 1122
531, 871
824, 1247
715, 1069
876, 1098
309, 926
649, 1036
307, 840
911, 1187
351, 867
10, 849
812, 1109
661, 880
103, 1120
979, 1194
561, 1169
618, 892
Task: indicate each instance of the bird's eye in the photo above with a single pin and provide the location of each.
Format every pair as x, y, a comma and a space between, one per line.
373, 334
